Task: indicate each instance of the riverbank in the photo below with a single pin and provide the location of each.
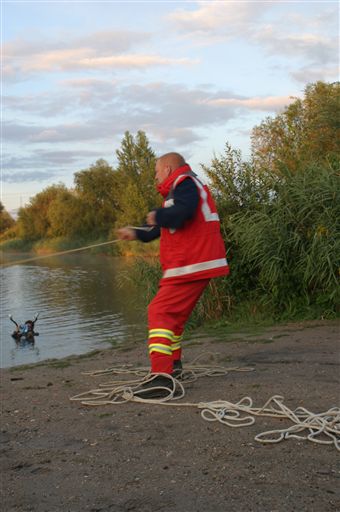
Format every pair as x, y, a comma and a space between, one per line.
60, 456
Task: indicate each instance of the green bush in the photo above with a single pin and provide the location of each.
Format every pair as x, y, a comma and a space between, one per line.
292, 243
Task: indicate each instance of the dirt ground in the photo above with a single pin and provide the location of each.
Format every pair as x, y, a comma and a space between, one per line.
61, 456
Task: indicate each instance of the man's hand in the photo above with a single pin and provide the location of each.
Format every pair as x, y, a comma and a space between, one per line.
126, 234
151, 218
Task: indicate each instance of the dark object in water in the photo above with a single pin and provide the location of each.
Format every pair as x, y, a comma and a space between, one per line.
25, 331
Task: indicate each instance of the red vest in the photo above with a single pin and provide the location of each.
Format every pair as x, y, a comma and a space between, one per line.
196, 250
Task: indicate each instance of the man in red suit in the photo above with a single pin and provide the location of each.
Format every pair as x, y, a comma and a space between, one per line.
191, 253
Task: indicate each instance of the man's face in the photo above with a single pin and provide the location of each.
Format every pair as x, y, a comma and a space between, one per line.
163, 171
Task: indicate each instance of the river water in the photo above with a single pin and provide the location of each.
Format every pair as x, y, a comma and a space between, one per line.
83, 304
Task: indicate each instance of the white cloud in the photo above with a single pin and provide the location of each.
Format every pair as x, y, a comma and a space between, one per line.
313, 47
167, 111
104, 42
216, 18
308, 36
100, 51
40, 159
309, 74
27, 176
86, 60
269, 103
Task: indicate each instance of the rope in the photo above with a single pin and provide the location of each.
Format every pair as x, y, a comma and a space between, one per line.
322, 428
190, 373
19, 262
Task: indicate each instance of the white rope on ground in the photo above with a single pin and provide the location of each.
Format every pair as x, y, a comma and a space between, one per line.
322, 428
125, 391
190, 373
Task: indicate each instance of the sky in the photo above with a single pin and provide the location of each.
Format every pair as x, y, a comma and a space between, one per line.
192, 75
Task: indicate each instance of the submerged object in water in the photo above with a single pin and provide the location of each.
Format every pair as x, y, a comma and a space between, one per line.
25, 331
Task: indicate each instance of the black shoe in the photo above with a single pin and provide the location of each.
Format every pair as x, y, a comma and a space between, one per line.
159, 386
177, 369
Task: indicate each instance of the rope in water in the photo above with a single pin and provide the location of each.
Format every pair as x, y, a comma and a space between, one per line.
322, 428
61, 253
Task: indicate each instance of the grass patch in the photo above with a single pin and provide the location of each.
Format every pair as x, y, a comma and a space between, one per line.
24, 367
230, 331
261, 340
16, 245
60, 364
104, 414
87, 355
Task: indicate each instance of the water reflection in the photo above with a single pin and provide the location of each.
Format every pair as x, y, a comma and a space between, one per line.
81, 306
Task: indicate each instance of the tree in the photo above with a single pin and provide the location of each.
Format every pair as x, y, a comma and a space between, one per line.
97, 188
6, 221
306, 131
67, 216
33, 220
236, 184
136, 192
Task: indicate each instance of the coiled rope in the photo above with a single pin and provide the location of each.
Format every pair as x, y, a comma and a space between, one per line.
321, 428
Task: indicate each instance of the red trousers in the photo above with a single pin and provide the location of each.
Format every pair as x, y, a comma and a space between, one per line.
168, 313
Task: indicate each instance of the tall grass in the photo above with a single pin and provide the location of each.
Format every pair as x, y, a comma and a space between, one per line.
292, 243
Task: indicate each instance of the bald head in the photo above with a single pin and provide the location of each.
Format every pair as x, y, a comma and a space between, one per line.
167, 164
173, 160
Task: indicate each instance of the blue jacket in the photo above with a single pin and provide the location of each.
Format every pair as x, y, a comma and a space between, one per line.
186, 200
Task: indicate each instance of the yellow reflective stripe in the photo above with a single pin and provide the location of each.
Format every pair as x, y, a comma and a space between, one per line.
163, 330
161, 333
159, 347
178, 338
175, 346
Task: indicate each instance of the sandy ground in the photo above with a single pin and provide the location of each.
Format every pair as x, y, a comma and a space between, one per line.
59, 455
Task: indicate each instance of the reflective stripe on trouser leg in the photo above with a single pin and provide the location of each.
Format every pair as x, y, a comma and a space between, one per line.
160, 353
176, 347
168, 311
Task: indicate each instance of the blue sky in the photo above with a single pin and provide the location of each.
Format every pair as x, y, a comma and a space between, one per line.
192, 75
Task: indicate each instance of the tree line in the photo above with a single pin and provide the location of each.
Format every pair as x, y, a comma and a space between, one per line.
101, 197
279, 210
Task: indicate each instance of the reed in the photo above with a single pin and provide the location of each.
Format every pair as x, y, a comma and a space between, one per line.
292, 243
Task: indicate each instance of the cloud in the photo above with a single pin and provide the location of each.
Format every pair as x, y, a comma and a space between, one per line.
53, 159
86, 60
41, 166
104, 42
310, 74
313, 47
269, 103
167, 111
308, 36
64, 132
72, 96
216, 19
100, 51
28, 176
